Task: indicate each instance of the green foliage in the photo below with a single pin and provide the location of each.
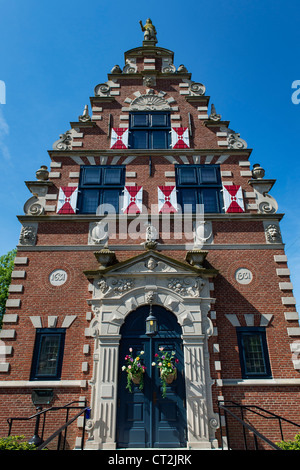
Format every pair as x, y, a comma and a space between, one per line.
6, 267
290, 445
15, 443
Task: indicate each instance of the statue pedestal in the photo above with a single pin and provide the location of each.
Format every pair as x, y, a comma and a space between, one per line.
149, 43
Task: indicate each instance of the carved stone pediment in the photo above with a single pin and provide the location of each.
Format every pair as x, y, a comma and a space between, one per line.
150, 270
149, 102
152, 262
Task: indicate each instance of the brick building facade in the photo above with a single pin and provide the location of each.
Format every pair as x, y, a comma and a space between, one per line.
150, 206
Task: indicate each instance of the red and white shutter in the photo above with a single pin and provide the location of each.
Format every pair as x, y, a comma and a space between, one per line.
233, 198
133, 200
67, 200
119, 138
167, 199
180, 138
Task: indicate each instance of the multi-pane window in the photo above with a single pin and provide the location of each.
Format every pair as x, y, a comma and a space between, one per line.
199, 186
253, 351
150, 130
48, 354
100, 189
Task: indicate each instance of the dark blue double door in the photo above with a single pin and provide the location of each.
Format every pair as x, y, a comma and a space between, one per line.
144, 418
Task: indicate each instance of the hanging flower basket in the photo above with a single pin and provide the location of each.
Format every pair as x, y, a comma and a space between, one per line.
167, 369
135, 371
136, 378
170, 377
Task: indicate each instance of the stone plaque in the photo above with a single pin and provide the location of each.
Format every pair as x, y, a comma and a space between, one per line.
58, 277
243, 276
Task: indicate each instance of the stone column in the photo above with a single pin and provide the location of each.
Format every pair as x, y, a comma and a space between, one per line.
104, 393
198, 393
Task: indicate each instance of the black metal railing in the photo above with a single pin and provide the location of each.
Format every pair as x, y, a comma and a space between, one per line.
61, 433
226, 406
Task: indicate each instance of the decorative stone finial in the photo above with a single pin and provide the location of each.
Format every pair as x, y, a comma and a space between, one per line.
149, 31
42, 174
85, 116
213, 114
258, 172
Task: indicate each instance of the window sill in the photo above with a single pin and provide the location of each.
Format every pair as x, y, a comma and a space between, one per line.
260, 382
42, 383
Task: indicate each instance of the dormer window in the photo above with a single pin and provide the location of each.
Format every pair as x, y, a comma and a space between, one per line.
150, 130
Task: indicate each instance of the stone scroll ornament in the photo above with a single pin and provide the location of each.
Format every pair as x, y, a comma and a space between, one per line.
233, 198
167, 199
67, 200
119, 138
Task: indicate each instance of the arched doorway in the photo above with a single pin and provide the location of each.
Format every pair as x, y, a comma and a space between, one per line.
144, 418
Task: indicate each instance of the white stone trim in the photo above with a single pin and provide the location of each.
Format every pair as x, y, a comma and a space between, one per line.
246, 173
19, 260
7, 334
288, 300
293, 331
10, 318
291, 316
55, 174
18, 274
222, 143
68, 320
4, 367
283, 272
261, 382
13, 303
233, 319
42, 383
16, 288
36, 321
280, 258
285, 285
52, 321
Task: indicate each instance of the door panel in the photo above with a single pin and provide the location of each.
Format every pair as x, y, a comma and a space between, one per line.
145, 418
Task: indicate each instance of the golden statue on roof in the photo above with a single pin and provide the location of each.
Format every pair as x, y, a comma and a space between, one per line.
149, 30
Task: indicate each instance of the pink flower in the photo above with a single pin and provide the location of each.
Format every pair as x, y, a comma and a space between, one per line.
156, 355
176, 360
130, 349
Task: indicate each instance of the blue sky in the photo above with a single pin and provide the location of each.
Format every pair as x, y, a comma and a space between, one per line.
246, 52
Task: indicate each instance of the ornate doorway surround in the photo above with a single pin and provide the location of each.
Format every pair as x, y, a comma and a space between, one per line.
123, 287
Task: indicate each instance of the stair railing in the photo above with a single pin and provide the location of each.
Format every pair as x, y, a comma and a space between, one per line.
39, 441
226, 405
